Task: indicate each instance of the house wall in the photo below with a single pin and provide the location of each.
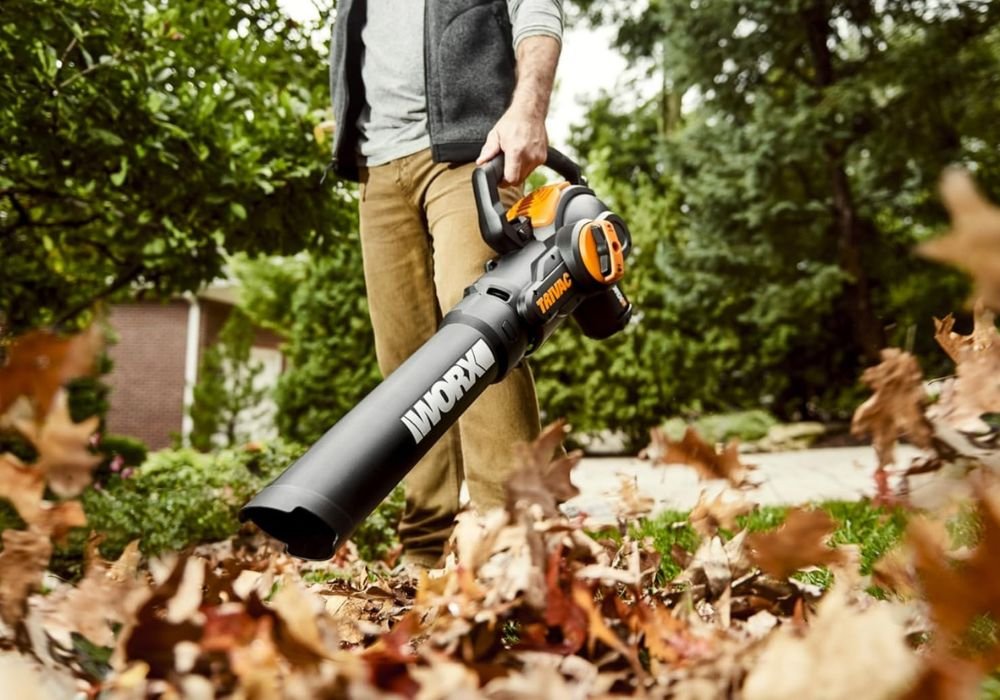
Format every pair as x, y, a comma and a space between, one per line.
147, 381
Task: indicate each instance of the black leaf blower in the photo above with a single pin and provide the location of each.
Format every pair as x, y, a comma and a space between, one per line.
560, 253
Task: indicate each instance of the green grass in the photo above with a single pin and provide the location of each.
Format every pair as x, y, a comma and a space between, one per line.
874, 529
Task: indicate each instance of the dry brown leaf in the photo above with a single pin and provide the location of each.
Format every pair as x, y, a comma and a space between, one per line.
973, 243
944, 677
39, 363
798, 543
895, 573
57, 519
296, 609
708, 516
897, 406
104, 599
63, 446
543, 476
977, 388
23, 486
25, 678
693, 451
959, 591
23, 560
631, 503
846, 652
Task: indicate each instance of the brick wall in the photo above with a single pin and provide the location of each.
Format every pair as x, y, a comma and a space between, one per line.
147, 382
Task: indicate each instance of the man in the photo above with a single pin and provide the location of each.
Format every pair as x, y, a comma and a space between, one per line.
421, 92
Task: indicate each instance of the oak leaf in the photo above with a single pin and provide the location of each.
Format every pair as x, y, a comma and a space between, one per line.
693, 451
22, 564
543, 474
798, 543
633, 504
973, 243
105, 598
845, 652
708, 516
896, 408
39, 363
63, 447
976, 389
961, 589
23, 486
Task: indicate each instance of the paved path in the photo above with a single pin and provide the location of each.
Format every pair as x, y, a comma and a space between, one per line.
782, 478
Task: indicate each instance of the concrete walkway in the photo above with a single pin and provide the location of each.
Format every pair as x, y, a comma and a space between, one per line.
780, 478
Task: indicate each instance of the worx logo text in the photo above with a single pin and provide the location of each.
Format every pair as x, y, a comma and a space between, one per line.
445, 393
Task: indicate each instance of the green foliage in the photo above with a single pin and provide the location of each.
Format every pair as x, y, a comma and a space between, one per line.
267, 285
803, 167
182, 497
132, 451
226, 393
330, 348
377, 535
745, 426
88, 396
874, 529
668, 530
142, 140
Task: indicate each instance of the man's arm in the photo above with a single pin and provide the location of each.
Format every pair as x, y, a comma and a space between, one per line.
520, 133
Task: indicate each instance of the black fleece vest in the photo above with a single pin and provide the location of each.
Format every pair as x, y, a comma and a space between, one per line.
469, 72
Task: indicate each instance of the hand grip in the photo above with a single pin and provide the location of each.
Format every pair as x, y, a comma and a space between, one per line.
498, 233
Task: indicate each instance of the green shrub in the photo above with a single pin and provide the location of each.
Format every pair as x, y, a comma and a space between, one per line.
180, 498
746, 426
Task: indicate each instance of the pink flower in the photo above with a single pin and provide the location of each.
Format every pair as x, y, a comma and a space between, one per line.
117, 463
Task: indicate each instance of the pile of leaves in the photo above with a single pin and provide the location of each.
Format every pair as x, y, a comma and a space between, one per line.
529, 604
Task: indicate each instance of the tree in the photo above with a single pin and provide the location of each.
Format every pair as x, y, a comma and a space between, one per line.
227, 392
318, 303
142, 140
807, 161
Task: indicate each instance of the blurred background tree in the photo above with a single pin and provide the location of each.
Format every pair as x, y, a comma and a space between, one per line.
801, 143
142, 140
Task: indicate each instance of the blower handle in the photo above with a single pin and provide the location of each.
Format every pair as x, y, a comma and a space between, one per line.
499, 233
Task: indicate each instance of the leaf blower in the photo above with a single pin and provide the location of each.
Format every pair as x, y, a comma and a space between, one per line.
560, 253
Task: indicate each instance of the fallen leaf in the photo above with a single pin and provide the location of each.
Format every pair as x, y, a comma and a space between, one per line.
798, 543
104, 600
23, 486
632, 504
973, 243
63, 447
961, 589
542, 478
846, 652
896, 408
976, 389
708, 516
693, 451
39, 363
23, 560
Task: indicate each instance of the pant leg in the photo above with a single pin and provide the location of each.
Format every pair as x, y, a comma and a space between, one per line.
404, 310
506, 413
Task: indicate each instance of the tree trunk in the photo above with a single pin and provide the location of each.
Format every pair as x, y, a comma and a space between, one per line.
868, 330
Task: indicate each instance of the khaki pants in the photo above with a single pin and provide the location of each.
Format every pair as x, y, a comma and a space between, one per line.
422, 247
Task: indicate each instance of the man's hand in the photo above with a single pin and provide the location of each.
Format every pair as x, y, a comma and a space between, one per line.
522, 139
520, 133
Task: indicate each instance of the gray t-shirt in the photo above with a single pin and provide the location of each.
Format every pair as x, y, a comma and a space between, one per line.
393, 122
